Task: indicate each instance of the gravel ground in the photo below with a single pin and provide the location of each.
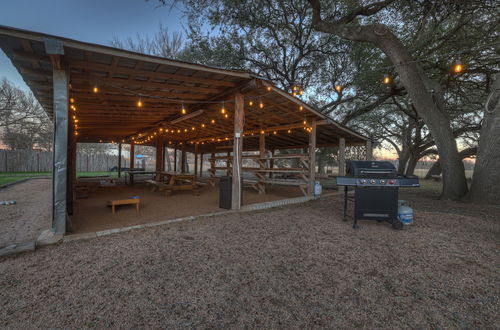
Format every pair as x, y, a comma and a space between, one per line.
293, 267
24, 221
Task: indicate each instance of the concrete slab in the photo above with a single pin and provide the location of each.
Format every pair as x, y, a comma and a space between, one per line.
17, 248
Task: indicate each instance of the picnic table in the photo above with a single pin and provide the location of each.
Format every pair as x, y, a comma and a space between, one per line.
132, 173
173, 181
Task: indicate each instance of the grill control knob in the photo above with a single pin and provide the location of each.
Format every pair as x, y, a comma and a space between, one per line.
373, 181
382, 181
363, 181
390, 182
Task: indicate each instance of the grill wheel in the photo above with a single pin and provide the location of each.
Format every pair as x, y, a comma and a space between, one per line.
397, 224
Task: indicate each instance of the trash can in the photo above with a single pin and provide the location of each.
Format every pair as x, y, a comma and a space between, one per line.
226, 190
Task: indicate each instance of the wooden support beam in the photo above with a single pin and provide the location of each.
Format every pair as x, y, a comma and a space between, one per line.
201, 165
262, 153
369, 150
196, 160
312, 158
119, 160
175, 159
341, 160
183, 158
239, 119
132, 156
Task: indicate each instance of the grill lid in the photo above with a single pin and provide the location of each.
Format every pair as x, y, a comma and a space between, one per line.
370, 169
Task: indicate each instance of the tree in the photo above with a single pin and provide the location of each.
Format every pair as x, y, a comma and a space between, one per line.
23, 123
486, 179
382, 33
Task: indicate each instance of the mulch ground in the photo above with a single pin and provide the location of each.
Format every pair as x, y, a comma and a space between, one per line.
294, 267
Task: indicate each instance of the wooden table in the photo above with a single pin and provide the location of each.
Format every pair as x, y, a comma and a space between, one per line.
132, 201
132, 173
179, 181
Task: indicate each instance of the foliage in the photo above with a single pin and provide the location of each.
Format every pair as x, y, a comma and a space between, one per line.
23, 123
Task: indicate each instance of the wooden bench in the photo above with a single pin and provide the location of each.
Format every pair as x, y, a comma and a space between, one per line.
132, 201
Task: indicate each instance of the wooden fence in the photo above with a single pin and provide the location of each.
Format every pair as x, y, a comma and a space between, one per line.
41, 161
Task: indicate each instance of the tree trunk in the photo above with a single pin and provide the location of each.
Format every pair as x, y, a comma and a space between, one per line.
402, 161
454, 182
436, 167
429, 107
410, 169
434, 170
486, 178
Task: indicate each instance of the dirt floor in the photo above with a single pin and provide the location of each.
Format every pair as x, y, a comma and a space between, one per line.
92, 214
299, 266
25, 220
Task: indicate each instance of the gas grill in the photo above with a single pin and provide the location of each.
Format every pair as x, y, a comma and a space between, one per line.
376, 190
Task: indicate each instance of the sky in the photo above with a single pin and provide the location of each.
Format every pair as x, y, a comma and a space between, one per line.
95, 21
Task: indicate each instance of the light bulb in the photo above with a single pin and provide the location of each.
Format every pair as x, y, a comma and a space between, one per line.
95, 89
139, 103
457, 68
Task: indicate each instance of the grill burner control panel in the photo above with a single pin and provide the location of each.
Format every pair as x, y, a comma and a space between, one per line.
377, 182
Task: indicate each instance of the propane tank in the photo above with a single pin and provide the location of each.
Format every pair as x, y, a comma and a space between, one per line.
318, 189
405, 213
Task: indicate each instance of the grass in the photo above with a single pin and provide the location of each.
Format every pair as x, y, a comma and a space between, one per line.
8, 177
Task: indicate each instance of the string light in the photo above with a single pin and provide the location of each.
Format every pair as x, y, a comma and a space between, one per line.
226, 116
250, 103
269, 88
458, 67
213, 121
183, 110
139, 103
338, 88
387, 79
202, 125
289, 131
223, 109
301, 108
261, 105
72, 100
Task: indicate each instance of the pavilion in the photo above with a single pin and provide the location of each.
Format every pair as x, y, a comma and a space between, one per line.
96, 93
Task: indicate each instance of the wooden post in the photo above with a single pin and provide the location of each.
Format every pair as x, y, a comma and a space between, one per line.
212, 166
159, 155
196, 160
183, 158
369, 150
71, 174
341, 159
132, 156
119, 160
201, 165
271, 164
164, 152
312, 158
239, 118
175, 159
60, 162
262, 163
